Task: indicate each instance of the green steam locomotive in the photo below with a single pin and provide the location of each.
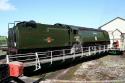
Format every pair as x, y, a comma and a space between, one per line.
29, 36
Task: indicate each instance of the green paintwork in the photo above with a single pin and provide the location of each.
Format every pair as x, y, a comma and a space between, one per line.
93, 36
28, 37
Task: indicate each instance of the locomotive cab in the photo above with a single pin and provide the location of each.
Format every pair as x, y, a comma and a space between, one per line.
12, 41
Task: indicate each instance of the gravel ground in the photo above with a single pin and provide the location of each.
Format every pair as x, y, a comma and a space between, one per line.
109, 68
106, 68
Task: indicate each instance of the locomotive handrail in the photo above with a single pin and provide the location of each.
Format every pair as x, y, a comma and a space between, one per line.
15, 22
10, 24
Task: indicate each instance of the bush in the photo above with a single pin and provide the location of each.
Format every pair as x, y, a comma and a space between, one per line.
3, 40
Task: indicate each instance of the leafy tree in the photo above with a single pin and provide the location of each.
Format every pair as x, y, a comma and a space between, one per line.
3, 40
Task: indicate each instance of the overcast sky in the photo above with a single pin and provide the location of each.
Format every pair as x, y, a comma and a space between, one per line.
86, 13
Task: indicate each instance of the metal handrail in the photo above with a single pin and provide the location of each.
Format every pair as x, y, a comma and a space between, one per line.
41, 53
85, 51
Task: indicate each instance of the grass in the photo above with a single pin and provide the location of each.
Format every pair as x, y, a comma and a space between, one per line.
3, 39
2, 52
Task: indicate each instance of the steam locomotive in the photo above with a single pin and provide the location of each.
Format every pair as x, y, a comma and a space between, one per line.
29, 36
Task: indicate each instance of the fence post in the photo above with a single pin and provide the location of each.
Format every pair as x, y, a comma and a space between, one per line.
38, 66
7, 59
107, 48
51, 53
89, 49
104, 48
95, 49
74, 54
63, 55
82, 52
99, 49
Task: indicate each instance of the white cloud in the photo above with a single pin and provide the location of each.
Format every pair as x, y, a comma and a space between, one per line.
5, 5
